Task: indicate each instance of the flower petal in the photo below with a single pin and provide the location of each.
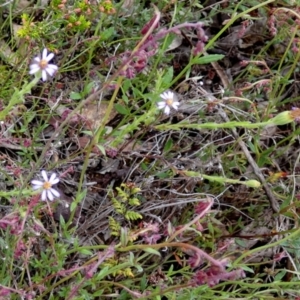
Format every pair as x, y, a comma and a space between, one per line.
44, 195
50, 71
167, 95
49, 195
44, 54
164, 96
161, 104
36, 60
36, 187
49, 57
34, 69
170, 95
44, 175
53, 179
34, 65
167, 110
55, 192
44, 75
175, 105
53, 67
37, 183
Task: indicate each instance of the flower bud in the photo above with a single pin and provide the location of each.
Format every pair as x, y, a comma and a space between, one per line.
252, 183
283, 118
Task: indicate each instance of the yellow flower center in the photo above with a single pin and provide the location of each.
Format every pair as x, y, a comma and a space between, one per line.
43, 64
169, 101
47, 185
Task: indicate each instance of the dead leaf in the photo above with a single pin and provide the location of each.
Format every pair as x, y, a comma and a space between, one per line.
177, 41
94, 114
7, 54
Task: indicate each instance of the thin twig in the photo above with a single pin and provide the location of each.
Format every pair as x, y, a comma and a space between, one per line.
273, 202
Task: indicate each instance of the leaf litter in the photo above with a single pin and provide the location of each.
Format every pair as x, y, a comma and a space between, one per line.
239, 87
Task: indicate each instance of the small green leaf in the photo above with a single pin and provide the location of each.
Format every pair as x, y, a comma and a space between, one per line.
132, 215
152, 251
252, 147
121, 109
85, 251
107, 33
170, 271
75, 96
89, 133
98, 293
62, 221
207, 59
139, 268
102, 149
131, 258
3, 244
162, 175
168, 146
248, 269
124, 237
125, 99
167, 77
88, 88
143, 282
73, 206
81, 195
241, 243
103, 273
280, 275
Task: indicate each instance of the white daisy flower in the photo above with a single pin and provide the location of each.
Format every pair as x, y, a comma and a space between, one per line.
169, 100
42, 64
48, 192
